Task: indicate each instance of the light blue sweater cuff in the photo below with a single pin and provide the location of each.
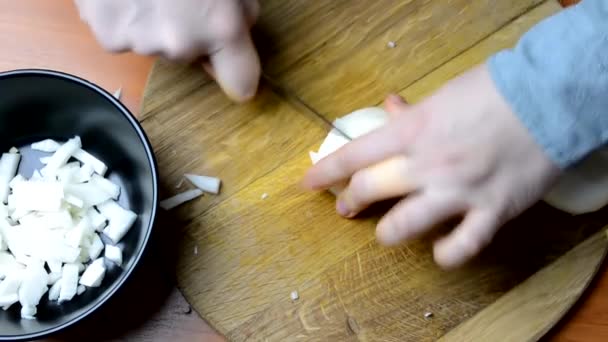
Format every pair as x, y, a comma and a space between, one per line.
556, 81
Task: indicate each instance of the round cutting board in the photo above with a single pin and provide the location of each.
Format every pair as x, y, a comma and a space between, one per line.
245, 251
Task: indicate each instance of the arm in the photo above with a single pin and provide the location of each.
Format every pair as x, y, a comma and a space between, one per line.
556, 81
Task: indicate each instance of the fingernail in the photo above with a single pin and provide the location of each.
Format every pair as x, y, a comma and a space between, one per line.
396, 99
343, 209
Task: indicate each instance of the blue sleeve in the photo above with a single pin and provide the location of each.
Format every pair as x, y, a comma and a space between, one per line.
556, 81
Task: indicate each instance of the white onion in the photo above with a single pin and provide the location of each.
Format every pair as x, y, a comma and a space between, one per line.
114, 254
181, 198
51, 219
355, 125
584, 188
94, 274
205, 183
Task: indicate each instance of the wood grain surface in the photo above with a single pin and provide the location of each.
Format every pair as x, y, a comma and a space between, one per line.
252, 252
48, 34
521, 314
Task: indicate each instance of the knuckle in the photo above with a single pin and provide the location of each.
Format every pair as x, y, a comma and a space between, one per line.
359, 187
229, 30
175, 44
228, 22
144, 50
114, 45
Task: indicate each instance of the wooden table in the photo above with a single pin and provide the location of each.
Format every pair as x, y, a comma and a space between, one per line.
48, 34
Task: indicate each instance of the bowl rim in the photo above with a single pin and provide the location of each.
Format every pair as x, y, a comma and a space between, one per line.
100, 301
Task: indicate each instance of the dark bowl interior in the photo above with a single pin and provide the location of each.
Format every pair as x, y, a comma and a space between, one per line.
39, 104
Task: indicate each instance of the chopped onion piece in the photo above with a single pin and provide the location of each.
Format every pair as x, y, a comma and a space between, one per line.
11, 203
77, 235
8, 167
3, 245
69, 282
36, 175
94, 274
90, 194
13, 150
114, 254
19, 213
68, 172
75, 201
54, 291
54, 277
120, 220
17, 179
96, 247
45, 160
38, 196
106, 185
87, 158
98, 221
8, 264
180, 199
28, 311
80, 289
54, 266
57, 220
60, 157
47, 145
205, 183
33, 285
7, 300
83, 174
10, 284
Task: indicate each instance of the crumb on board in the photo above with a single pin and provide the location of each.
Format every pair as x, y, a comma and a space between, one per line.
352, 325
428, 314
179, 184
195, 250
295, 295
264, 196
391, 44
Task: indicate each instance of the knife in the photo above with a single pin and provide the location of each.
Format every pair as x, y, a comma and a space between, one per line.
300, 104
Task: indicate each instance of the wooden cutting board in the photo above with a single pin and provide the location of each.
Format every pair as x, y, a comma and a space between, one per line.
242, 255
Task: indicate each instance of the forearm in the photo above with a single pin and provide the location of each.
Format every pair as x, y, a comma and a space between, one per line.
556, 81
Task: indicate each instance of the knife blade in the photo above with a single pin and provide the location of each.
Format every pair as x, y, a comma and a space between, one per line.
300, 104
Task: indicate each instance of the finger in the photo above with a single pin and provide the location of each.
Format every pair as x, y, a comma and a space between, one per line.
388, 179
209, 69
473, 234
383, 143
252, 11
416, 215
237, 68
395, 105
106, 23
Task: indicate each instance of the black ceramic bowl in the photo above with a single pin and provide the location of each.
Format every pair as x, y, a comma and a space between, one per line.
40, 104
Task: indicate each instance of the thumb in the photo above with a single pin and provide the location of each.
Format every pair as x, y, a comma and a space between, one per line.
236, 68
395, 105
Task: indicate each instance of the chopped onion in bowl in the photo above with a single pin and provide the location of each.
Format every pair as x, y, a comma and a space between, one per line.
50, 225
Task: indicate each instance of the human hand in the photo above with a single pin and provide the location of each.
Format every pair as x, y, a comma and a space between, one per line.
459, 153
183, 30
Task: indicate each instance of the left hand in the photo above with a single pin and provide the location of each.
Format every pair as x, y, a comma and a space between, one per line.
460, 153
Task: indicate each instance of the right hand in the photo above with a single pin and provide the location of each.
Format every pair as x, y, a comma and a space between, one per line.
183, 30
